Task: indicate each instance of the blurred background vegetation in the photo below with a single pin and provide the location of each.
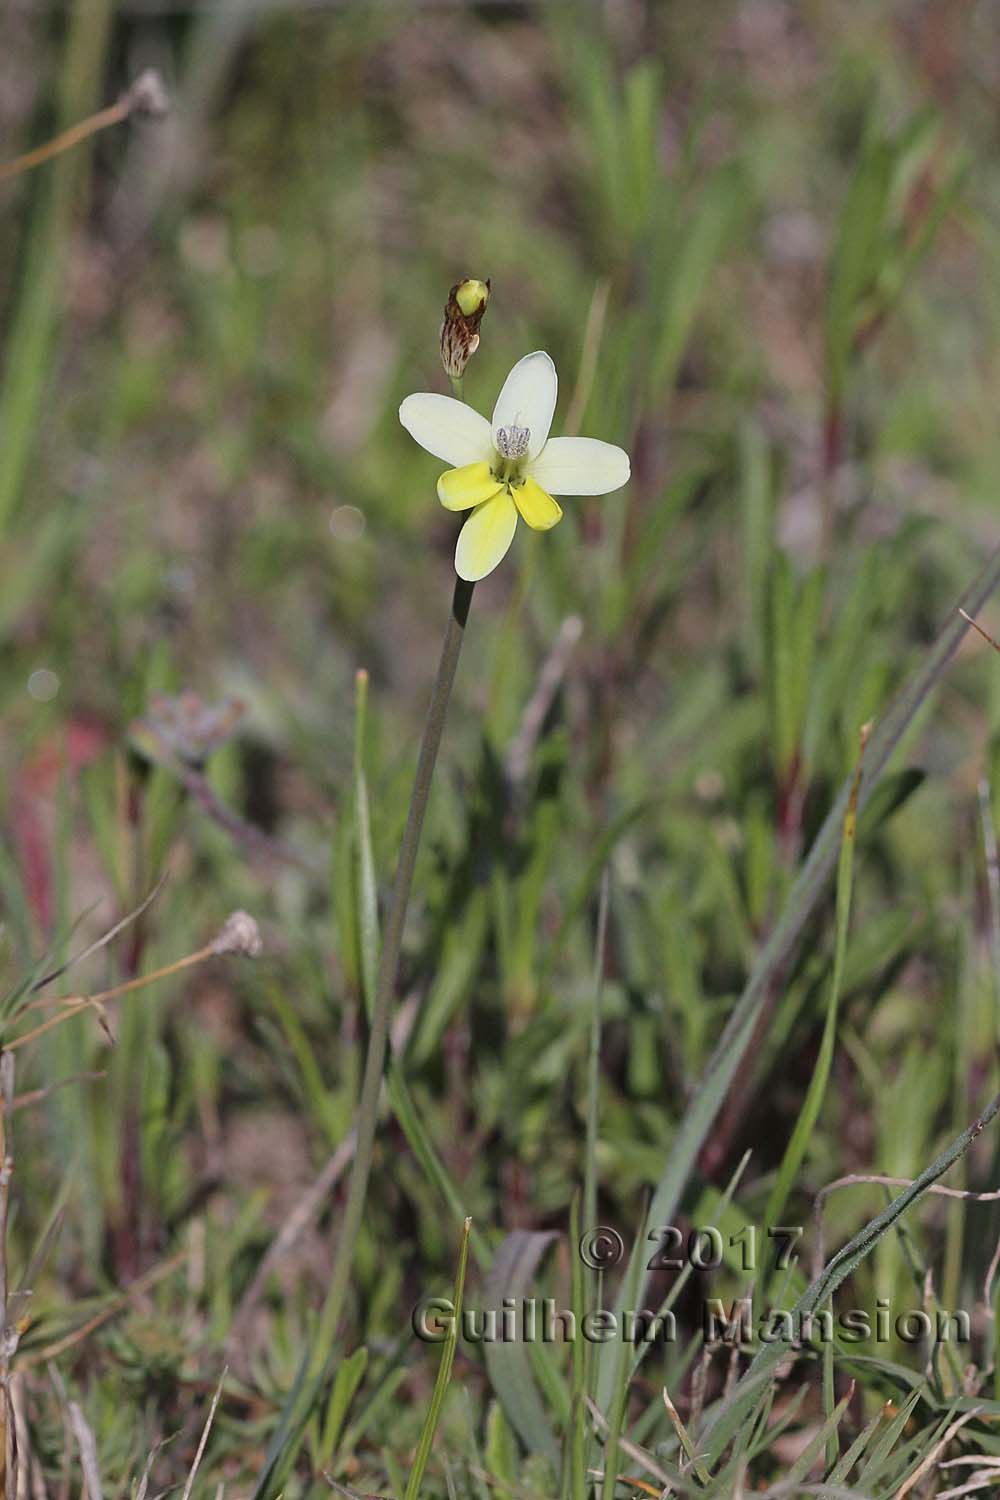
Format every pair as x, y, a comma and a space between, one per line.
761, 241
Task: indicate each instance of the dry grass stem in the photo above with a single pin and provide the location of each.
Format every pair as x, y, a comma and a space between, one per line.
146, 96
203, 1442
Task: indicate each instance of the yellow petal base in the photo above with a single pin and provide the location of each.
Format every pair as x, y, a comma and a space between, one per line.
472, 484
536, 505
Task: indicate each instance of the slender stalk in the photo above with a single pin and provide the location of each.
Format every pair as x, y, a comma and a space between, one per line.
114, 114
594, 1061
387, 974
7, 1344
73, 1004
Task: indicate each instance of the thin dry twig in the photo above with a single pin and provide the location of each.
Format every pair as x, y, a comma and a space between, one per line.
295, 1225
239, 934
74, 1004
978, 628
536, 710
88, 1451
980, 1479
22, 1446
931, 1458
857, 1179
189, 1482
103, 941
147, 1472
633, 1450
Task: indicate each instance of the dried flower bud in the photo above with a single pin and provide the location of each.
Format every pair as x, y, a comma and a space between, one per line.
463, 314
240, 934
148, 95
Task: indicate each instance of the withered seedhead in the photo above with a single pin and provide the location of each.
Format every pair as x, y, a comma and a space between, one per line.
240, 934
147, 95
463, 314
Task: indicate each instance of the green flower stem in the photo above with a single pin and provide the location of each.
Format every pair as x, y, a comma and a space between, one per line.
387, 973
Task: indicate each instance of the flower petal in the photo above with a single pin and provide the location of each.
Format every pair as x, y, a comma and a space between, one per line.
461, 489
485, 537
536, 506
447, 428
580, 466
528, 399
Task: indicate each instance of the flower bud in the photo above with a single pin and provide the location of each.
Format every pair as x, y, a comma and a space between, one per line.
463, 314
472, 296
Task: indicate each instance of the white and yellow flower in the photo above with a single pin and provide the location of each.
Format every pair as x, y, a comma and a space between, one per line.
511, 466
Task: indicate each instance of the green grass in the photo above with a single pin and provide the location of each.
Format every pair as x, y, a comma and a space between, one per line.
761, 244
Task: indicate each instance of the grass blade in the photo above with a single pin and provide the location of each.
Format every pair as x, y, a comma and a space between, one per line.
574, 1471
594, 1062
443, 1375
507, 1363
796, 1148
367, 889
806, 894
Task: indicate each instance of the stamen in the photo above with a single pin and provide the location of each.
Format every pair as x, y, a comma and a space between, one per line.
512, 441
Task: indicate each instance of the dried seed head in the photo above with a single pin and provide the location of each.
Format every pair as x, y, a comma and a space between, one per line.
240, 934
148, 95
463, 314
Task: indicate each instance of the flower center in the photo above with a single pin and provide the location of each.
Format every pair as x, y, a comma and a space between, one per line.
512, 441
